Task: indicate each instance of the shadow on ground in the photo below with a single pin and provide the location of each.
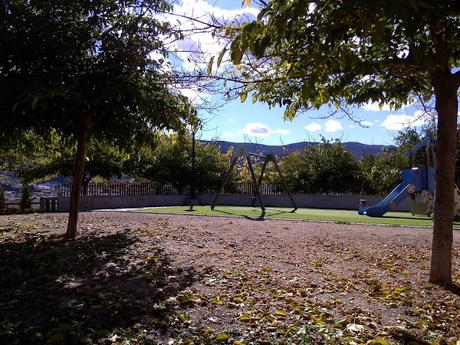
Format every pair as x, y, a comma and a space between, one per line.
454, 288
57, 292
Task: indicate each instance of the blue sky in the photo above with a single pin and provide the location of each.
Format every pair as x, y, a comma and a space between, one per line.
242, 122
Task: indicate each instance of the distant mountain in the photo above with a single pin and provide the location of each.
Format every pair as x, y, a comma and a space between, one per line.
357, 149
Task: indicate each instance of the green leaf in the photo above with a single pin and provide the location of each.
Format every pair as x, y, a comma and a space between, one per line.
243, 96
35, 101
260, 44
221, 56
236, 53
289, 113
210, 63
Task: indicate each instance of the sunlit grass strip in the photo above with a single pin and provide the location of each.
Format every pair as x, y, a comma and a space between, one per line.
338, 216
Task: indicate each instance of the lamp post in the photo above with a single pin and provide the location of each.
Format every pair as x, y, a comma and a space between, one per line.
194, 126
192, 185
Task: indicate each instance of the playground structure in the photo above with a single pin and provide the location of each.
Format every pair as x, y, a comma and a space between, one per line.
243, 153
418, 184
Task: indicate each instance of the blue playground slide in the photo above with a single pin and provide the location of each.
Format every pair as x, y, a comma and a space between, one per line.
419, 179
397, 195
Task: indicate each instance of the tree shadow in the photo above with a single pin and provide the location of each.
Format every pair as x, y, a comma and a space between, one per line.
273, 214
410, 217
234, 214
453, 288
227, 212
260, 218
276, 212
58, 292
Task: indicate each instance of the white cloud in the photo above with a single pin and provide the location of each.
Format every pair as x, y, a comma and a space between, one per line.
375, 106
313, 127
261, 130
398, 122
257, 129
367, 123
195, 96
332, 126
231, 119
200, 44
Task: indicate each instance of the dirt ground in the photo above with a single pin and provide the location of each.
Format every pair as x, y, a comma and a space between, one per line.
135, 278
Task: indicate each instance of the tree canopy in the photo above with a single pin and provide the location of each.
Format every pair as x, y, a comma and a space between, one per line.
304, 54
34, 157
319, 52
322, 168
85, 68
168, 160
63, 61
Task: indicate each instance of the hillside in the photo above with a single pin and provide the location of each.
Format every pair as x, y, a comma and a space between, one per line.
357, 149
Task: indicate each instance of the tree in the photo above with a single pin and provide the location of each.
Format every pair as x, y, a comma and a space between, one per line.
35, 158
26, 199
85, 69
311, 53
211, 166
322, 168
170, 162
380, 174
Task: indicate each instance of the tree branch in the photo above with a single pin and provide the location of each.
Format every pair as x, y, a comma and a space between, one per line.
206, 24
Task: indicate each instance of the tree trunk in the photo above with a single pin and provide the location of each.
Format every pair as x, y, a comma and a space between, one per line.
77, 179
446, 107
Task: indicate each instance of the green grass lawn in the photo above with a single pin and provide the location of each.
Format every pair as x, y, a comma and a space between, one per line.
339, 216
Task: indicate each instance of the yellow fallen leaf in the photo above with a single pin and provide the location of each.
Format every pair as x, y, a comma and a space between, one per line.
238, 299
216, 301
281, 313
223, 338
245, 317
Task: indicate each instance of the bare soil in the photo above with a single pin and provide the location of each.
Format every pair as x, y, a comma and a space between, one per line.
167, 279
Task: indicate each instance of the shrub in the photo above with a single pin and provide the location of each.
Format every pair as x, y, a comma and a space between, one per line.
26, 199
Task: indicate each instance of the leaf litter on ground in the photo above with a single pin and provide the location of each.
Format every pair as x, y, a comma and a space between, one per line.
145, 279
